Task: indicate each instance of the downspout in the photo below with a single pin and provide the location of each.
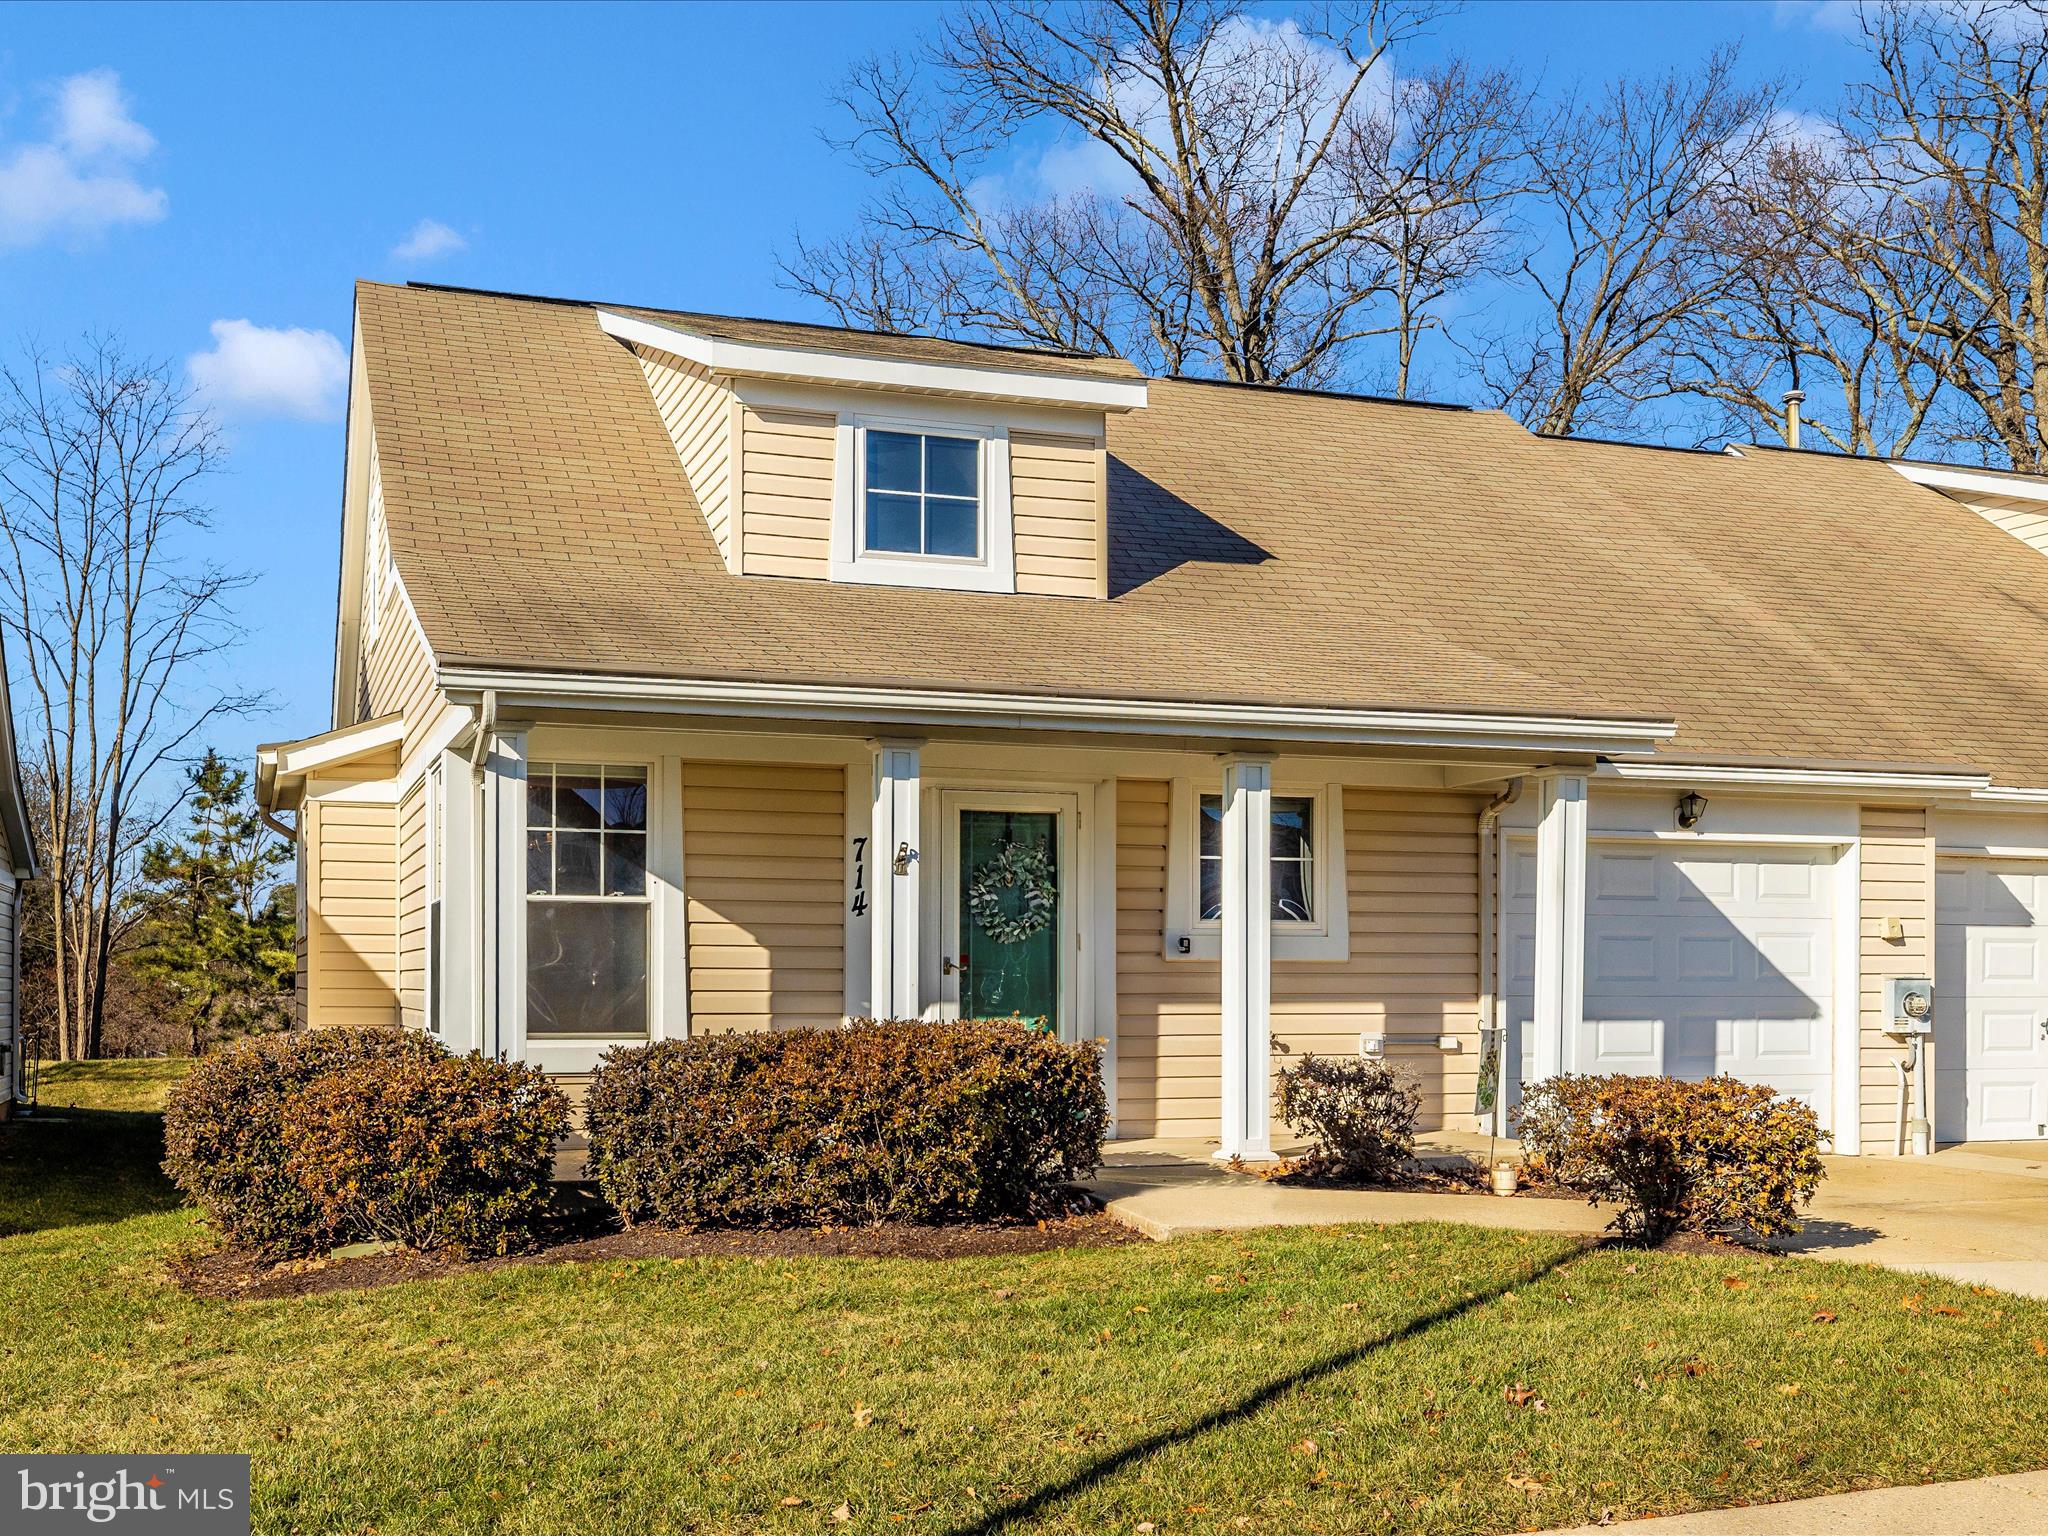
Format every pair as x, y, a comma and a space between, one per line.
1491, 1014
486, 721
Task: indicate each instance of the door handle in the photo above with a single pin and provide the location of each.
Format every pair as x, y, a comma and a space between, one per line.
951, 966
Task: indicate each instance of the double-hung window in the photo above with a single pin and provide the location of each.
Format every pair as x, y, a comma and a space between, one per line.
923, 502
1294, 854
921, 495
586, 901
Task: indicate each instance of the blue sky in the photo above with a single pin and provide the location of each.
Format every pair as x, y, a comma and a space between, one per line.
196, 179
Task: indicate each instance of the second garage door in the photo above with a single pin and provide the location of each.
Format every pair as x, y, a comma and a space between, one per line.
1697, 961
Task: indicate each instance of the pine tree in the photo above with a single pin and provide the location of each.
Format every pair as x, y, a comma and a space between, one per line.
216, 923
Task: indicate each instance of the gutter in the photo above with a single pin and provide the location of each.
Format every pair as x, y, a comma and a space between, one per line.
866, 707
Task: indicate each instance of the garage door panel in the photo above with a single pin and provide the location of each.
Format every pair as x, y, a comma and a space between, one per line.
1991, 996
1620, 959
1622, 880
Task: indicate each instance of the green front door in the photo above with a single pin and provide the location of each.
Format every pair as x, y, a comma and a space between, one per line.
1010, 915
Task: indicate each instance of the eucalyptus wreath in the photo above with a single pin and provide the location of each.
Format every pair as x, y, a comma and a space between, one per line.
1026, 870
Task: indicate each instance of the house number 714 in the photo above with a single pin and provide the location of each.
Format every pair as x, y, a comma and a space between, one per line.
860, 877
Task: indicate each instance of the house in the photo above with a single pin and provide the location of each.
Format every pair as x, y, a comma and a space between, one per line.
697, 673
17, 864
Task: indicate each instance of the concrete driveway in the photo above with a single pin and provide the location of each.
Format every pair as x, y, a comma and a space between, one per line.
1978, 1214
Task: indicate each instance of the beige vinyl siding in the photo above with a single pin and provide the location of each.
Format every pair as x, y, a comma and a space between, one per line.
352, 913
699, 416
395, 667
1411, 871
1412, 882
1057, 504
763, 861
1896, 871
786, 492
1169, 1013
412, 907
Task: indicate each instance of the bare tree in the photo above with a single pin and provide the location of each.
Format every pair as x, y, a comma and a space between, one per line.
1241, 196
1618, 257
1802, 303
1952, 136
113, 620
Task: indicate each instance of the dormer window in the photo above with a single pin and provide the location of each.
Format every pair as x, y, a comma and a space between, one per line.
921, 494
924, 501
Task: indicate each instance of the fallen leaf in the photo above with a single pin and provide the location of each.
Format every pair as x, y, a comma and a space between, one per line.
1823, 1317
1948, 1311
1527, 1483
1754, 1445
1146, 1526
1911, 1304
1519, 1396
842, 1513
1141, 1309
863, 1415
792, 1501
2040, 1346
1306, 1447
1789, 1388
1735, 1282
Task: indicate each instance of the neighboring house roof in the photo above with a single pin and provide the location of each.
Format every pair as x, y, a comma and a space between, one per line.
1269, 547
14, 816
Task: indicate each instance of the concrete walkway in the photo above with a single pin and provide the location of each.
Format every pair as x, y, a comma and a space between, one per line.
1989, 1506
1169, 1189
1977, 1214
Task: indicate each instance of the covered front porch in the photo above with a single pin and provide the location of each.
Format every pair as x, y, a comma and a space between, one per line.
609, 870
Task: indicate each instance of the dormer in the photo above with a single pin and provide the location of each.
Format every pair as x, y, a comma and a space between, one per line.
888, 460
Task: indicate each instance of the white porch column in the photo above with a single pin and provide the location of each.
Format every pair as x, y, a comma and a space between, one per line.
1247, 958
893, 916
501, 849
1560, 1002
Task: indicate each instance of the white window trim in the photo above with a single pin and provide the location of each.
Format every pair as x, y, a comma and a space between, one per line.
1326, 938
571, 1052
995, 571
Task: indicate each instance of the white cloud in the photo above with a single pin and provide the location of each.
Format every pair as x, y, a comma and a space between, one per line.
429, 238
1841, 17
261, 371
79, 181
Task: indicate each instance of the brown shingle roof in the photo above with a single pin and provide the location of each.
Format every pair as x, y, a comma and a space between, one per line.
1269, 547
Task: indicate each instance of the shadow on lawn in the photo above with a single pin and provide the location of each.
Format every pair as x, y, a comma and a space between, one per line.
73, 1167
1253, 1402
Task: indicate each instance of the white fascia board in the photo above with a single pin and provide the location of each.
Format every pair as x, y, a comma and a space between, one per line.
752, 359
1821, 780
332, 747
530, 691
1951, 481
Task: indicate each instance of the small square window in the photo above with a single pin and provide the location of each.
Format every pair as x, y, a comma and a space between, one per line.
921, 494
1293, 858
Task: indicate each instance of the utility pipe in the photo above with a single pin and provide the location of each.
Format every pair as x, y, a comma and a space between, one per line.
1905, 1091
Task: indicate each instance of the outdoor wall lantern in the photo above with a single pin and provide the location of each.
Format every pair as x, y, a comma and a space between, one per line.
1692, 805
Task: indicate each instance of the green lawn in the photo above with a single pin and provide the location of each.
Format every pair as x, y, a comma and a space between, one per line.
1302, 1381
134, 1083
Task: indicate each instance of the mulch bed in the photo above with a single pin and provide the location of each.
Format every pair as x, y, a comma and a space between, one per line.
585, 1237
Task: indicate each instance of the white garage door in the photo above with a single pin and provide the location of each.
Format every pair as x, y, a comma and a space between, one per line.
1990, 1001
1697, 962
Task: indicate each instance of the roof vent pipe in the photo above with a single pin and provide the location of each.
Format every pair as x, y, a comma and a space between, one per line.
1794, 398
